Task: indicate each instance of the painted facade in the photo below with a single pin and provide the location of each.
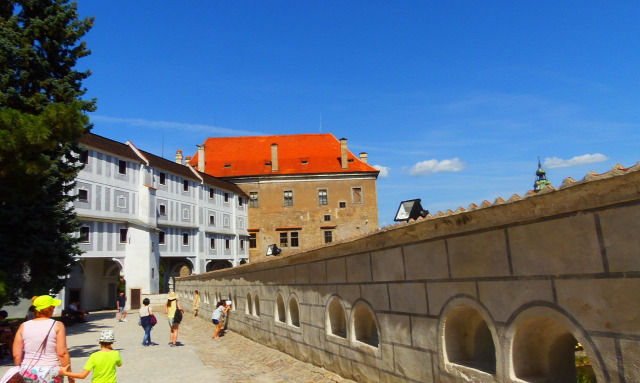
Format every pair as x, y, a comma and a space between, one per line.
148, 219
305, 190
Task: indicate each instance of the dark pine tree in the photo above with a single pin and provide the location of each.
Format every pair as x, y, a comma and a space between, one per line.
42, 117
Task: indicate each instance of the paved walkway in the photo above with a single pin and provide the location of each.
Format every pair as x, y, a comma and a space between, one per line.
232, 358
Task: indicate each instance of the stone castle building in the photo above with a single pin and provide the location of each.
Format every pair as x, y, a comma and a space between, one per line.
305, 190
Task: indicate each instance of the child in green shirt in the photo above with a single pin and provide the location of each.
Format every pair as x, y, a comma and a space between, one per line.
103, 363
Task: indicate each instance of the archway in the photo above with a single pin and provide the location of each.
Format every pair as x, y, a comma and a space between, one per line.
548, 346
468, 340
218, 265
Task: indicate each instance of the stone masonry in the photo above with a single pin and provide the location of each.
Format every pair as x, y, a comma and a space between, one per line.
502, 292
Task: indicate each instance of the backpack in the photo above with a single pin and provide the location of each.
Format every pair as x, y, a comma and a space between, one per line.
177, 317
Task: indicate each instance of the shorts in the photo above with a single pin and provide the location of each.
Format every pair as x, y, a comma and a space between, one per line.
42, 374
171, 322
215, 321
121, 309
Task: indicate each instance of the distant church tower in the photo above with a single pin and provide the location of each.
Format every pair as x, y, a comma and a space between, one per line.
541, 178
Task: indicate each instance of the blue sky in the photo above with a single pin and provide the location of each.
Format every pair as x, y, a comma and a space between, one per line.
454, 100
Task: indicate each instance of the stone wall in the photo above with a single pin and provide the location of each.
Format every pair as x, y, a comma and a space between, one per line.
500, 293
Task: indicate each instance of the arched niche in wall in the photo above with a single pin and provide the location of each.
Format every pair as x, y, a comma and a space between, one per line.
256, 305
468, 339
294, 311
548, 346
280, 314
364, 326
248, 307
336, 322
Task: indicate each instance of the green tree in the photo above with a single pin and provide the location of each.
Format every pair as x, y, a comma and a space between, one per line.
42, 117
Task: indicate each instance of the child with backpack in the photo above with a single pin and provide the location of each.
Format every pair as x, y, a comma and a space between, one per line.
103, 363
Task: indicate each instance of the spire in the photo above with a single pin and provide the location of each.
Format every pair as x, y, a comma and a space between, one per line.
541, 181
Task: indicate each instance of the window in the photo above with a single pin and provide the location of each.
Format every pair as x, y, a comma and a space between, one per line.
284, 239
121, 202
212, 193
185, 185
253, 199
163, 178
227, 244
240, 201
162, 209
327, 217
253, 241
294, 239
122, 167
212, 243
226, 197
328, 236
343, 204
288, 198
83, 195
161, 238
185, 239
123, 235
322, 197
84, 234
84, 157
185, 213
242, 244
212, 220
356, 195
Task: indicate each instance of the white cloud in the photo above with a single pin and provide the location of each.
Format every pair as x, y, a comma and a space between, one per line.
172, 125
555, 162
384, 170
434, 166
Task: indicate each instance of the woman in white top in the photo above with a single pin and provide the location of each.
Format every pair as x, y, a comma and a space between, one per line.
145, 320
38, 363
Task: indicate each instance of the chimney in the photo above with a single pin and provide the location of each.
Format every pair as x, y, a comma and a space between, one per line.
186, 161
343, 153
201, 158
179, 156
274, 157
363, 157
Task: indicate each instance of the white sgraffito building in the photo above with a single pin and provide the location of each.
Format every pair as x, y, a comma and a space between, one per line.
147, 219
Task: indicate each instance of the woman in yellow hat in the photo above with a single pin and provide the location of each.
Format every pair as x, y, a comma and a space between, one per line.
174, 314
40, 345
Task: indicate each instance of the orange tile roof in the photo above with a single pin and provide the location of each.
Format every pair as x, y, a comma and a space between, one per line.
251, 156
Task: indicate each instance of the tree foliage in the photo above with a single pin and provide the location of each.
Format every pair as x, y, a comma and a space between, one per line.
42, 116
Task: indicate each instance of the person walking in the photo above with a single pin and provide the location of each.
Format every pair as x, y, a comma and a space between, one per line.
120, 302
40, 345
196, 303
146, 315
103, 363
174, 315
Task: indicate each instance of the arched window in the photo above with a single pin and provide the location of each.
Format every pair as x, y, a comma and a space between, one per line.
363, 326
468, 340
280, 314
545, 350
256, 306
336, 318
248, 308
294, 312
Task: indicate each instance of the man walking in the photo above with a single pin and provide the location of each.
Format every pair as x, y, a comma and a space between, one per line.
120, 301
